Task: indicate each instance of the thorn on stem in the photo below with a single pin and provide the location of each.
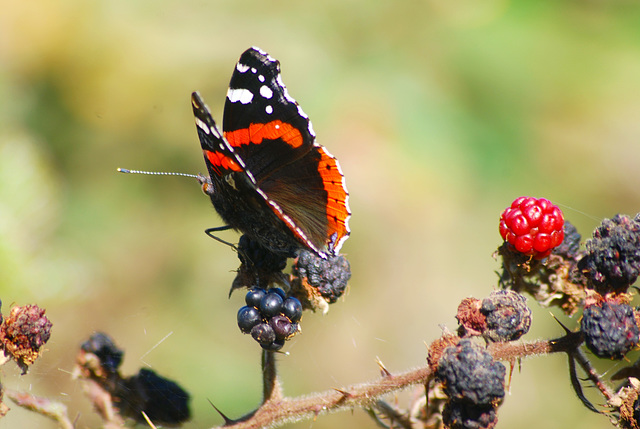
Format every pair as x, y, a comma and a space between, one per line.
227, 420
383, 370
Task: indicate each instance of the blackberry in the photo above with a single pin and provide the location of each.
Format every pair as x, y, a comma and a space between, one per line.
270, 317
162, 400
462, 415
609, 329
470, 374
328, 276
248, 317
104, 348
507, 315
532, 226
612, 261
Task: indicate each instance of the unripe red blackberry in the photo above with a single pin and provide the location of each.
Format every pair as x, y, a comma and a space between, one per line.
508, 317
532, 226
612, 262
610, 329
470, 374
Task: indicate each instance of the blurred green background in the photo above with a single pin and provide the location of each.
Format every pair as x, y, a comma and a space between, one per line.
441, 113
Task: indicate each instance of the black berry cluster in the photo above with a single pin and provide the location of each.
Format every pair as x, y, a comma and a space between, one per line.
610, 329
328, 276
507, 315
270, 317
474, 383
612, 261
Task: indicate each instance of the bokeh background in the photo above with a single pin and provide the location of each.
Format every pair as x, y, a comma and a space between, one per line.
440, 111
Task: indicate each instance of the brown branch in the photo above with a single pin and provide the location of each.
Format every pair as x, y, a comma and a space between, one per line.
277, 410
46, 407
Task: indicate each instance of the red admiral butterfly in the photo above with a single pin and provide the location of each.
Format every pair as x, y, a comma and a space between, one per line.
269, 178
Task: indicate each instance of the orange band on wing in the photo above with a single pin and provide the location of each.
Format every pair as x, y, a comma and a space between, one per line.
337, 207
271, 131
221, 162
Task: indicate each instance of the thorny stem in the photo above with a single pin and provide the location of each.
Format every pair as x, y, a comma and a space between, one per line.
592, 374
46, 407
277, 410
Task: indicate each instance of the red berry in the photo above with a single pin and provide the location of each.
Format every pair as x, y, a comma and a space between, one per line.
533, 226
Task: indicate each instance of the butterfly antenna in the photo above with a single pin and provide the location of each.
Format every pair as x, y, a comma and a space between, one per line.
157, 173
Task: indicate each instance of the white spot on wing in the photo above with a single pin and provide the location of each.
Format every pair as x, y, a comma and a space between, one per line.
242, 68
254, 70
266, 92
261, 78
242, 95
200, 124
269, 109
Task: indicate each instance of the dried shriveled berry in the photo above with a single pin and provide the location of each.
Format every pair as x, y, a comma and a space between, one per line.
328, 276
612, 261
104, 348
532, 226
508, 317
609, 329
470, 374
462, 415
162, 400
24, 333
263, 333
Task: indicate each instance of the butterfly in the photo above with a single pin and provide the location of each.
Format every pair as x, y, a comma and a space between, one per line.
268, 177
